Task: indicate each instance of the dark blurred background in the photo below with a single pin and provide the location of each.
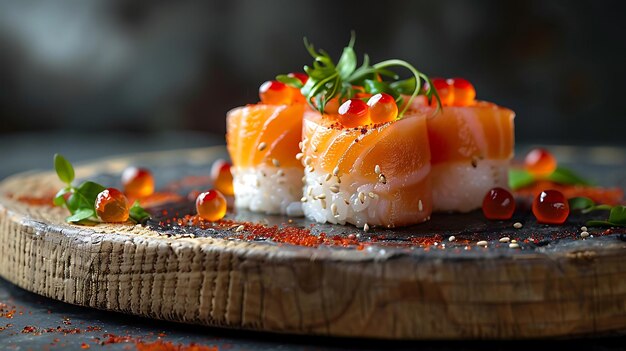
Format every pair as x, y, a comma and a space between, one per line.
164, 73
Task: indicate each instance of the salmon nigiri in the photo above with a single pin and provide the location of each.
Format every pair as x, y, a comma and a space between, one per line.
369, 175
263, 140
471, 144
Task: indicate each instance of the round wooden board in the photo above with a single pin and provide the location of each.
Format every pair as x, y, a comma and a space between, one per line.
577, 287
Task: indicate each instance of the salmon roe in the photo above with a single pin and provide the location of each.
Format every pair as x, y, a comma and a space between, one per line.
498, 204
454, 91
383, 108
112, 206
551, 207
137, 182
354, 113
222, 177
540, 162
211, 205
274, 92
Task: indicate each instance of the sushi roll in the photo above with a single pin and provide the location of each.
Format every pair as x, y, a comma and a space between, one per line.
471, 145
377, 174
263, 140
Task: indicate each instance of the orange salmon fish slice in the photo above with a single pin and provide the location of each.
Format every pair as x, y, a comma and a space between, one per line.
400, 149
264, 135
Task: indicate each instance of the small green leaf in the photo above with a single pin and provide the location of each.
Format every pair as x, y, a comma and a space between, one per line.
580, 203
519, 178
59, 198
291, 81
84, 196
64, 169
375, 87
597, 208
138, 213
618, 215
405, 86
347, 62
80, 215
566, 176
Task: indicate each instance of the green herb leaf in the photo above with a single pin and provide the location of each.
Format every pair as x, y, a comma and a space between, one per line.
580, 203
59, 198
64, 169
291, 81
617, 215
138, 213
84, 197
81, 214
568, 177
375, 87
519, 178
347, 61
597, 208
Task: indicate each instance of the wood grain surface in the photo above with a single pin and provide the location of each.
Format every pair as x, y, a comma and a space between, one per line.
566, 288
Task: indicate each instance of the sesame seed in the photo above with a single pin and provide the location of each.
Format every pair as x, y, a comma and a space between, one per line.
372, 195
346, 202
377, 169
310, 169
275, 162
328, 176
584, 234
361, 197
304, 179
452, 238
514, 245
262, 146
366, 227
299, 156
336, 171
382, 179
321, 196
309, 191
307, 161
323, 203
334, 188
583, 229
505, 239
300, 145
514, 241
240, 228
280, 173
333, 209
482, 243
420, 205
303, 199
517, 225
314, 148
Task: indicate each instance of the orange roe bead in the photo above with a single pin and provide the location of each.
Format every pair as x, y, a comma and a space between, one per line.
464, 92
276, 93
383, 108
551, 207
445, 91
498, 204
354, 113
540, 162
112, 206
211, 205
137, 182
222, 177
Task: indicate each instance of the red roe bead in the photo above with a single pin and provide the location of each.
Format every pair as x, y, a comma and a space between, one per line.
353, 113
303, 77
445, 91
211, 205
276, 93
222, 177
464, 92
498, 204
137, 182
540, 162
112, 206
551, 207
383, 108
